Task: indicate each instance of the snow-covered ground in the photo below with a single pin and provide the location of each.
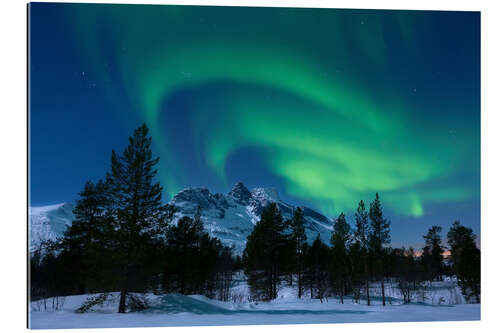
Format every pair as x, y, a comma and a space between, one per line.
195, 310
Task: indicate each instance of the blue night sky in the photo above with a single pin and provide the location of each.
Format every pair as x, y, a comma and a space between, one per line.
327, 106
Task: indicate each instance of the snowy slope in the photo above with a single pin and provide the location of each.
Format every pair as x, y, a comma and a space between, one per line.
196, 310
439, 302
48, 222
229, 217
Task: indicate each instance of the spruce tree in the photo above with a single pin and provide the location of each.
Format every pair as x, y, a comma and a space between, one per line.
432, 253
299, 239
318, 262
466, 260
265, 252
361, 236
83, 244
182, 244
136, 208
379, 236
340, 240
194, 262
356, 271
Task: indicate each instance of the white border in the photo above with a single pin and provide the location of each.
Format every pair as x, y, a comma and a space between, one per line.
13, 164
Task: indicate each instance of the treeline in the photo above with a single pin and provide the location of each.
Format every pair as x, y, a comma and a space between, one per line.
277, 253
122, 240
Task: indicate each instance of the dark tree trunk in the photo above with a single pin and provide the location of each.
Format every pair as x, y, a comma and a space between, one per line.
182, 284
367, 285
368, 302
270, 290
122, 306
275, 282
342, 292
299, 284
383, 292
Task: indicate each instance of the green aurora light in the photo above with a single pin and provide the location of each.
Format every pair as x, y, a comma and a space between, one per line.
340, 136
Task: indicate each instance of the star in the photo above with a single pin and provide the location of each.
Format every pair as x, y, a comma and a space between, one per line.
187, 75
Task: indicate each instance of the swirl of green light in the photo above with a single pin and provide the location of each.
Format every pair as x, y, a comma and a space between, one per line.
338, 147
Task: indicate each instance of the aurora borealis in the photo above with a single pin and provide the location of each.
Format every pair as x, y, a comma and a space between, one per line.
329, 106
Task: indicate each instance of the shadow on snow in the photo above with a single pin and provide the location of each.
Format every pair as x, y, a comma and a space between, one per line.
176, 303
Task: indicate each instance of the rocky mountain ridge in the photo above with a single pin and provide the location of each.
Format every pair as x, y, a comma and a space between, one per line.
229, 217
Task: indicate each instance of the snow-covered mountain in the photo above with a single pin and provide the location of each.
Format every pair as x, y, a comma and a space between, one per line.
229, 217
48, 222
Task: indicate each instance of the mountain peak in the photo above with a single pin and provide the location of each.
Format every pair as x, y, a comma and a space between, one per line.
229, 217
197, 195
240, 193
265, 194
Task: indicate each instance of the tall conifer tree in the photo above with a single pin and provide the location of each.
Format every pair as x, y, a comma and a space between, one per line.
432, 254
265, 250
361, 235
340, 240
83, 243
379, 236
299, 246
466, 260
136, 207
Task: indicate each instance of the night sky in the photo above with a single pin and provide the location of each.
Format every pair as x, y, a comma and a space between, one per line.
327, 106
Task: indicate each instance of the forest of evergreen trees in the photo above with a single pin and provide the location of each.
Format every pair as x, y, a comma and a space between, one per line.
277, 253
122, 239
